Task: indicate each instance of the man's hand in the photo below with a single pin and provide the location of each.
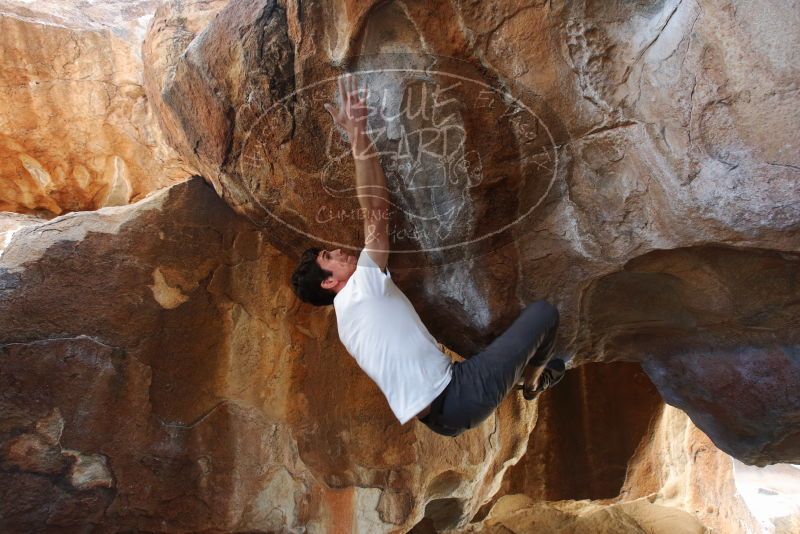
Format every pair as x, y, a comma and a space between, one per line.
353, 111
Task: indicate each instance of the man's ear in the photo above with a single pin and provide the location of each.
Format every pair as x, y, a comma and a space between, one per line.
328, 283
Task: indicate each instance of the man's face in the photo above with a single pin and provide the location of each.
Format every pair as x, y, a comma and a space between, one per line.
340, 264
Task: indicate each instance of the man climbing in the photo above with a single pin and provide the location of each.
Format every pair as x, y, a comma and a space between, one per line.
380, 328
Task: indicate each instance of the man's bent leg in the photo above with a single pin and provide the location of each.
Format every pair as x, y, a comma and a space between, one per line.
528, 341
545, 350
480, 383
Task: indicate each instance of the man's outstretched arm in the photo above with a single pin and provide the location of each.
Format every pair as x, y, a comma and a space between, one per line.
370, 179
373, 197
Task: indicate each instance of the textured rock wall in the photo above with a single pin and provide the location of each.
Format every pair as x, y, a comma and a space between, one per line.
10, 223
519, 513
77, 131
587, 431
158, 374
677, 481
632, 162
677, 466
716, 330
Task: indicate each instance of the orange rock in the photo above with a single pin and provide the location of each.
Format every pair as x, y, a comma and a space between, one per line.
78, 132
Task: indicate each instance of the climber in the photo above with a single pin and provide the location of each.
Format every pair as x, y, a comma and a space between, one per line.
379, 327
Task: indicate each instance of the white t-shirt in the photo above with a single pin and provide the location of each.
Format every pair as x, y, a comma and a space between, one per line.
382, 331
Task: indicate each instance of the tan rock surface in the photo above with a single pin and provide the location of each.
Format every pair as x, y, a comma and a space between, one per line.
173, 27
78, 131
716, 331
518, 513
157, 368
679, 467
587, 430
677, 482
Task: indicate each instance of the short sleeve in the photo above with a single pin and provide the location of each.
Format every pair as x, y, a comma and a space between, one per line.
370, 277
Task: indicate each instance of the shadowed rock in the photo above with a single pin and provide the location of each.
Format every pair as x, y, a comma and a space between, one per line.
718, 332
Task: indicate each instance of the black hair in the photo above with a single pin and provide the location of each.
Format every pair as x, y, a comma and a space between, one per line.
308, 276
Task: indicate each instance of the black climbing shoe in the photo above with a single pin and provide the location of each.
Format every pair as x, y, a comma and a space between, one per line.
552, 374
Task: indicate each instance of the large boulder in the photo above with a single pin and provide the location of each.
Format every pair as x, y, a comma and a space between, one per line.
158, 374
717, 329
77, 131
634, 163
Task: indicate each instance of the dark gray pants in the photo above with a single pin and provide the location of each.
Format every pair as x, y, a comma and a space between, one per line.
480, 383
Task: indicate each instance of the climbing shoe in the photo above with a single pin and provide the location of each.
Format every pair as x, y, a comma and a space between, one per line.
552, 374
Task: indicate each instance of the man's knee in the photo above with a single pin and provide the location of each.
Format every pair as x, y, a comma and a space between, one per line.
545, 310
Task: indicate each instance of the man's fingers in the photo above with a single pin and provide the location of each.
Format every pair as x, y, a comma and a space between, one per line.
350, 97
349, 89
353, 89
345, 94
342, 92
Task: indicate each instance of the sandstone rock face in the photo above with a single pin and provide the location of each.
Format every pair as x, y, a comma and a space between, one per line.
518, 513
159, 375
677, 482
605, 435
678, 467
635, 163
174, 26
716, 330
77, 132
587, 431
